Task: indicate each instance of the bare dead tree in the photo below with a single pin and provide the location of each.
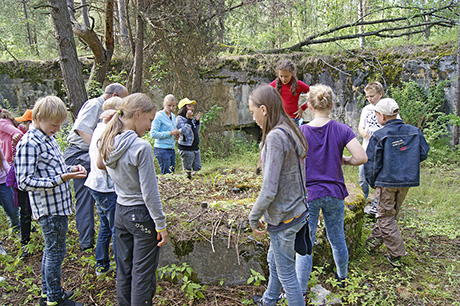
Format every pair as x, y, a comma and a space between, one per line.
394, 30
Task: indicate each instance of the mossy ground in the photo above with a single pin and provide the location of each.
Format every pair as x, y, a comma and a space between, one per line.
429, 277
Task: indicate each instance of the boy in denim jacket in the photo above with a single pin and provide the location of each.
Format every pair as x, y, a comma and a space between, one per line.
394, 155
41, 170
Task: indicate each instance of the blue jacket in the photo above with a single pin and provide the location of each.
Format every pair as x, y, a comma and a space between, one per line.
161, 126
395, 152
186, 134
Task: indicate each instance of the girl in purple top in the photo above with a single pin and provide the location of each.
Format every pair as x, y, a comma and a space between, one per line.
324, 179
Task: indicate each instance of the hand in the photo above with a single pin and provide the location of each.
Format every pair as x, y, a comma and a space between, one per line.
162, 237
259, 232
298, 114
367, 136
16, 137
189, 114
198, 116
174, 132
107, 115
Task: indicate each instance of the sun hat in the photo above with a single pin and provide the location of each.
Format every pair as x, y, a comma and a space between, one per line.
387, 107
26, 117
185, 101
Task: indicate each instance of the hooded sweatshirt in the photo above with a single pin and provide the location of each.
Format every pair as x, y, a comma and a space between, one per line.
132, 170
281, 197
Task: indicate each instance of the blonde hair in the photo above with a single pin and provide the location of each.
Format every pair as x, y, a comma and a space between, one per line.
271, 99
127, 109
49, 109
321, 97
112, 103
375, 86
169, 98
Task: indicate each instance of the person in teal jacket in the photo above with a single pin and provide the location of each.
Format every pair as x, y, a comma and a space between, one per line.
164, 132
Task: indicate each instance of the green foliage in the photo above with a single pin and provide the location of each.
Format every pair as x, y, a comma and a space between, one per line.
208, 117
95, 89
183, 274
256, 278
423, 109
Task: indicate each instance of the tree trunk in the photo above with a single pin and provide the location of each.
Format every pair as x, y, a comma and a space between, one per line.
455, 132
84, 11
123, 24
68, 59
102, 56
361, 6
139, 52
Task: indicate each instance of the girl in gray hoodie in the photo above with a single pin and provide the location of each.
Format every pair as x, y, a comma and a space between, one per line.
140, 223
281, 200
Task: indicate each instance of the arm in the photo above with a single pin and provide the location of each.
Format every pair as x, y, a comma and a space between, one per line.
157, 133
8, 128
375, 161
273, 157
424, 147
358, 156
149, 187
85, 136
184, 124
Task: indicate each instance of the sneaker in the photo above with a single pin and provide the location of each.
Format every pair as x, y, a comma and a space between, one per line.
373, 210
341, 281
2, 250
101, 270
395, 261
2, 279
257, 300
25, 251
67, 296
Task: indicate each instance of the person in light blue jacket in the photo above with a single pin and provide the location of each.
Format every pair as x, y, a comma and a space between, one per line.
164, 132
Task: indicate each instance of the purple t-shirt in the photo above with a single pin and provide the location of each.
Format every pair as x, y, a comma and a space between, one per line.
323, 165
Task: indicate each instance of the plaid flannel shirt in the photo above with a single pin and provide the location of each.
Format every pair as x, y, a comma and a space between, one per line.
39, 165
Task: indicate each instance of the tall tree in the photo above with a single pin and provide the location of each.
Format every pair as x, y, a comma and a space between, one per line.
139, 48
123, 24
102, 55
68, 59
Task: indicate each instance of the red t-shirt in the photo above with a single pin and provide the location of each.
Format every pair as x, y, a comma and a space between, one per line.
290, 102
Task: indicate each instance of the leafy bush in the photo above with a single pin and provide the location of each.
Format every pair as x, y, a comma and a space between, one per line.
423, 109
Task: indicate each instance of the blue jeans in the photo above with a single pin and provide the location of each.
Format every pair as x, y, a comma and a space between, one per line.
105, 204
54, 230
362, 181
191, 160
282, 267
84, 205
333, 211
166, 159
7, 202
138, 255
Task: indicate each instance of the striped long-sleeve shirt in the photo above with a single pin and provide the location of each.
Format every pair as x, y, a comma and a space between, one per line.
39, 167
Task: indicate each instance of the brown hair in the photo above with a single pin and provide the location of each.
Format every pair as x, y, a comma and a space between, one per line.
287, 66
5, 114
321, 97
271, 99
130, 104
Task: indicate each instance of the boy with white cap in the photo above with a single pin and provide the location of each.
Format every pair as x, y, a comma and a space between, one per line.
394, 155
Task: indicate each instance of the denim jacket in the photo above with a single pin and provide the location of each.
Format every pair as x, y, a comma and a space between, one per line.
185, 125
395, 152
